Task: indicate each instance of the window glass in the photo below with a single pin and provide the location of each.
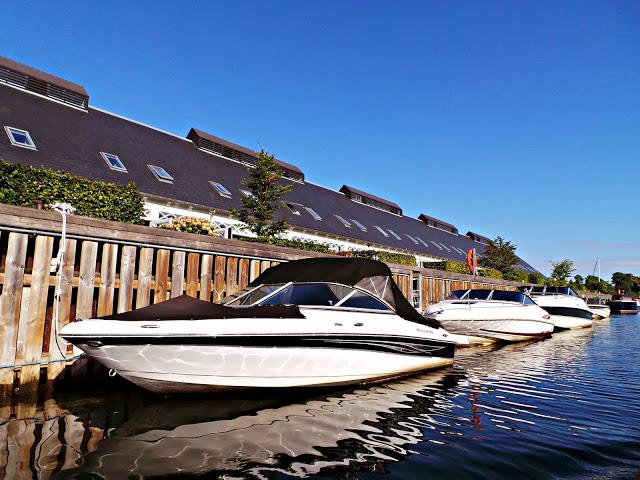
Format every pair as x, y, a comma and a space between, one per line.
478, 294
313, 213
456, 294
359, 225
256, 294
246, 193
344, 222
394, 234
221, 189
422, 241
309, 294
20, 138
160, 173
293, 207
381, 231
113, 161
363, 300
509, 296
411, 238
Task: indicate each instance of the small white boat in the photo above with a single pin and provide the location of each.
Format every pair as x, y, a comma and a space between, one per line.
599, 309
486, 316
313, 322
566, 308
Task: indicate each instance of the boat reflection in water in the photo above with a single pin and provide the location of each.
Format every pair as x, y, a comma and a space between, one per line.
361, 429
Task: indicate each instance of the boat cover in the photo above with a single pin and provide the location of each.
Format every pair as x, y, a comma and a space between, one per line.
188, 308
370, 275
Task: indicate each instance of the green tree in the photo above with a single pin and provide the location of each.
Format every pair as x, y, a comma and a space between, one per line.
561, 272
500, 255
258, 212
626, 282
577, 283
593, 284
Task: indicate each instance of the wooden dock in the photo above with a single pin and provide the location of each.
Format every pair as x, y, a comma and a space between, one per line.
114, 267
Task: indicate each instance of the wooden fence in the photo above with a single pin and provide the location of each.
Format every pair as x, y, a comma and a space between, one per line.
113, 267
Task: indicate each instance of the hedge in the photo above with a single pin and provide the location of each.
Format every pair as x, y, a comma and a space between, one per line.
298, 244
490, 273
201, 226
516, 275
536, 278
382, 255
449, 266
22, 185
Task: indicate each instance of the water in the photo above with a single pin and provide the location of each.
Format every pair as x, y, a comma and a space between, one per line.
566, 407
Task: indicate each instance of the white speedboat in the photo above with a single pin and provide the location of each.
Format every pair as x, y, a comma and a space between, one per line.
599, 309
486, 316
312, 322
566, 308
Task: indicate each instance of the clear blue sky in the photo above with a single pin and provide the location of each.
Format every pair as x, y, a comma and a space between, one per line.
519, 119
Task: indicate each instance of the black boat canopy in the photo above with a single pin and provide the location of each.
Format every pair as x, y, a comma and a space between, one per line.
188, 308
370, 275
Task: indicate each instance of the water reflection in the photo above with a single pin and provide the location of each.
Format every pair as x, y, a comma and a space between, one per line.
556, 407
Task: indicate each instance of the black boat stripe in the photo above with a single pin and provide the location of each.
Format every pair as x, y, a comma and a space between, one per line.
569, 312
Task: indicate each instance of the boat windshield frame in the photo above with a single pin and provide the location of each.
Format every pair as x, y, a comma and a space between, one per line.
548, 290
283, 286
468, 291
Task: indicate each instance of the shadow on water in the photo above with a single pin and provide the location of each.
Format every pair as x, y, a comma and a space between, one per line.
557, 408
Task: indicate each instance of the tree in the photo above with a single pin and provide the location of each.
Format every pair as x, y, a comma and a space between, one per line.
259, 208
577, 283
626, 282
593, 284
500, 255
561, 271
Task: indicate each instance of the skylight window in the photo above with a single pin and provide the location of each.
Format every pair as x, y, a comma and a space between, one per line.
161, 174
114, 162
394, 234
293, 207
246, 193
436, 245
20, 138
344, 222
422, 242
381, 231
445, 247
313, 213
221, 189
411, 238
359, 225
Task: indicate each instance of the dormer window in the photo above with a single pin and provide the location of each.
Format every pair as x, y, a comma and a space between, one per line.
114, 162
161, 174
20, 138
381, 231
359, 225
343, 221
293, 207
221, 189
313, 213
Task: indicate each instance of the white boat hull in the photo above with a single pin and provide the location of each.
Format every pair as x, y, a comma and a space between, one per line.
489, 331
322, 349
600, 311
564, 322
567, 312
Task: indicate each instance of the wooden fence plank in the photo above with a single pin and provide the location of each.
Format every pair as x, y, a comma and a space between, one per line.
193, 261
127, 275
243, 278
162, 276
34, 325
254, 270
206, 277
264, 264
143, 292
177, 274
232, 275
218, 278
10, 302
86, 285
107, 279
62, 311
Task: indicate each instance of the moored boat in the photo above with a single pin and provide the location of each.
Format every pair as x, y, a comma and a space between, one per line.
566, 309
599, 309
486, 316
624, 304
313, 322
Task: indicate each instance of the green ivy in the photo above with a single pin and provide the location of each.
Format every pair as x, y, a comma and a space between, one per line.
449, 266
383, 256
22, 185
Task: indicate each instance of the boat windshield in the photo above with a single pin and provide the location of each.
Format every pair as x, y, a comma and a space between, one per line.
311, 294
498, 295
545, 290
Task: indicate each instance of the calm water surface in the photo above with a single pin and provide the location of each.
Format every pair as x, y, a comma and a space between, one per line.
566, 407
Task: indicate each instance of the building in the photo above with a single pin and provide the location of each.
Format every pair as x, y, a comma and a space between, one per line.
49, 122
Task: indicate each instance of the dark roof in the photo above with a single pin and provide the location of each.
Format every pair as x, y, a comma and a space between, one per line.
425, 218
478, 238
346, 189
71, 140
42, 76
359, 272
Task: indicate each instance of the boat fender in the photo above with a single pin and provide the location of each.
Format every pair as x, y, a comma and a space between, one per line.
112, 373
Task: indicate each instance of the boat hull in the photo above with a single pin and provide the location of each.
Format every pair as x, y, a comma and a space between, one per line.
600, 312
566, 322
490, 331
179, 368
